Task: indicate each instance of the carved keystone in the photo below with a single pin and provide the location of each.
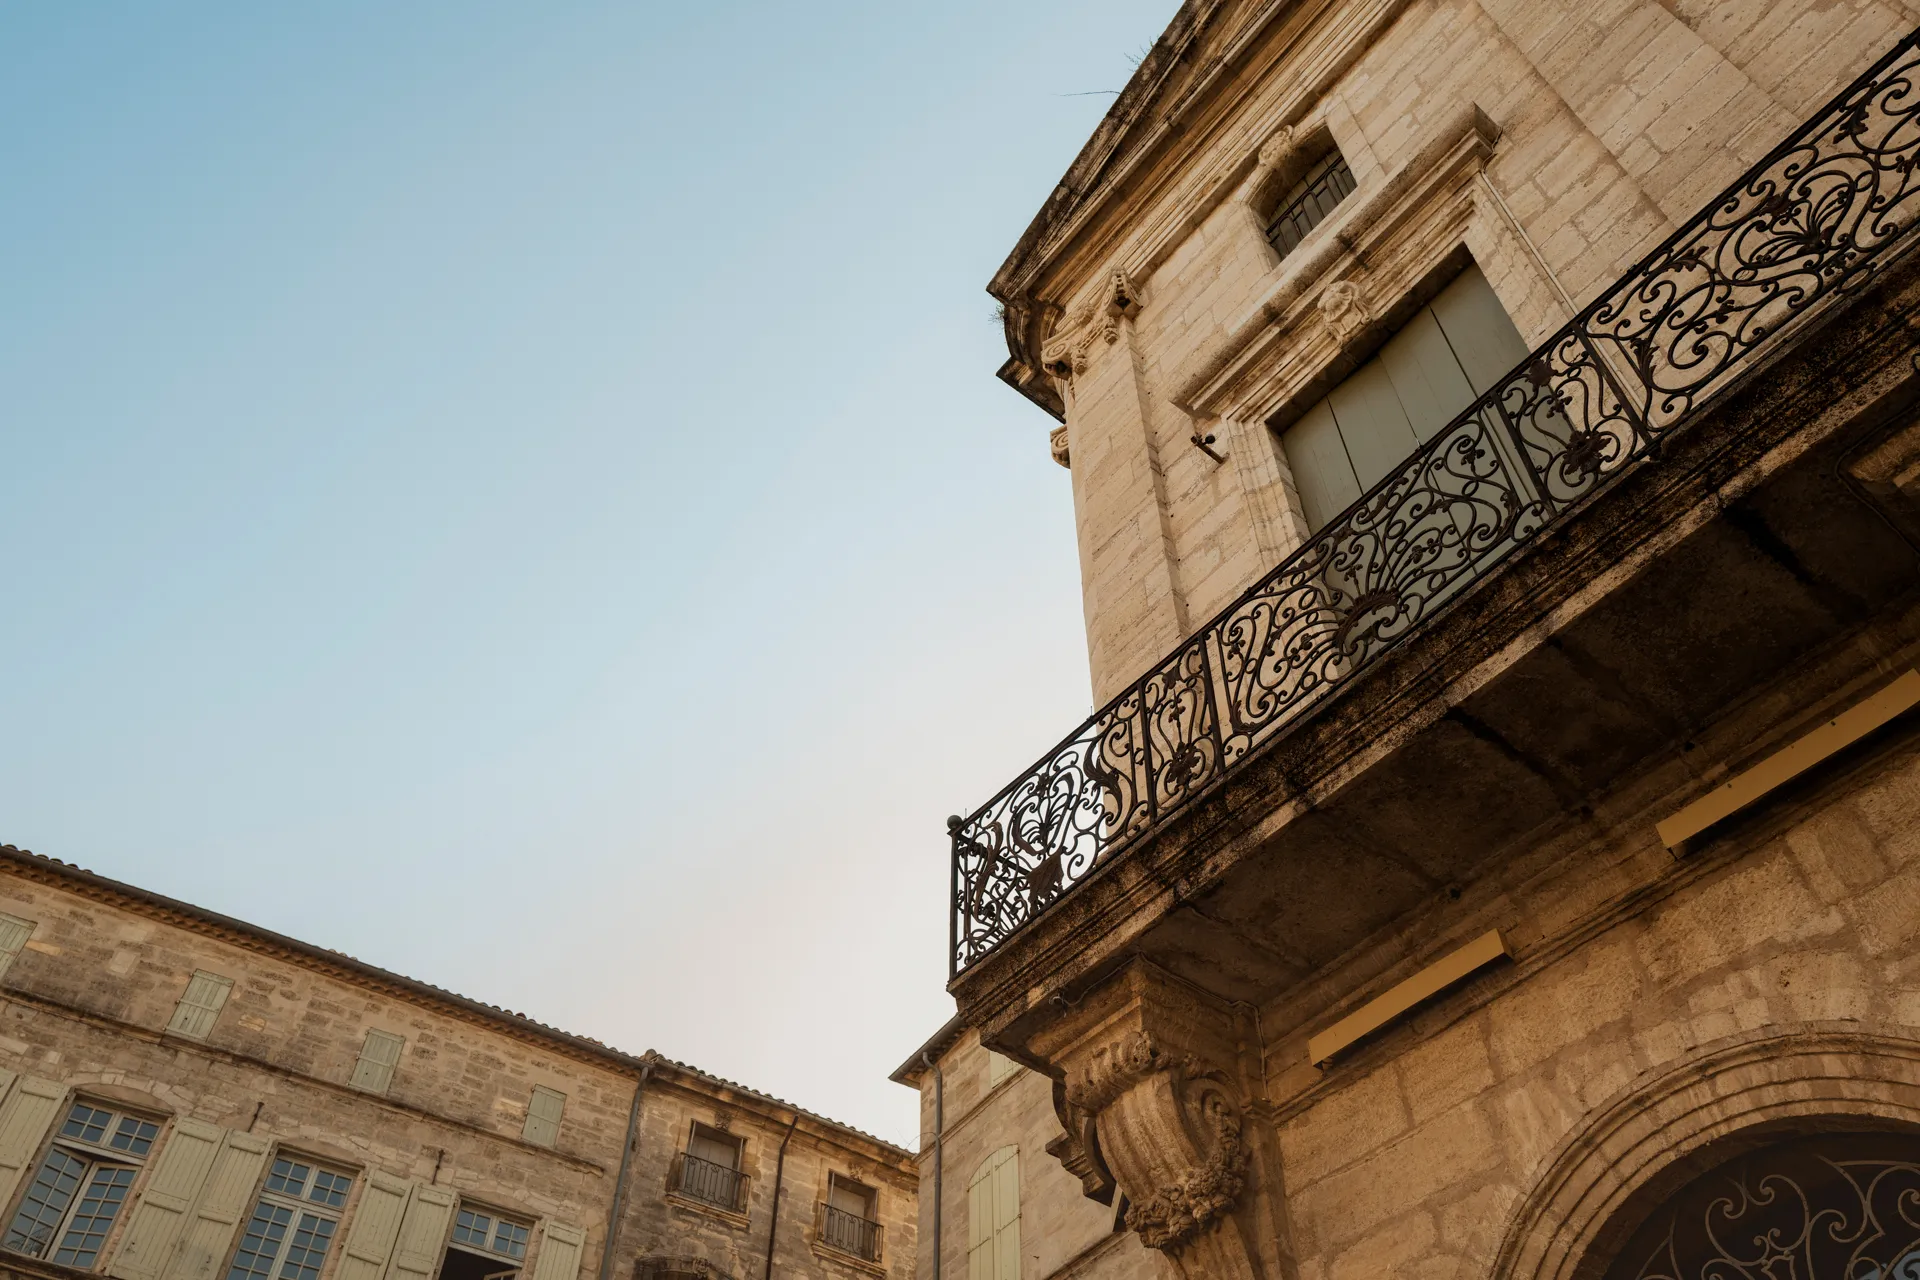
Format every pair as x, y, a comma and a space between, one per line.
1153, 1063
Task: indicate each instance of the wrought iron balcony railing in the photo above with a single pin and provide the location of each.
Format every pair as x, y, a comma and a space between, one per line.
849, 1233
1818, 217
709, 1183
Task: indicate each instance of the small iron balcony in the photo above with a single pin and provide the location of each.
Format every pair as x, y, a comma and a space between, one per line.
849, 1233
1822, 215
709, 1183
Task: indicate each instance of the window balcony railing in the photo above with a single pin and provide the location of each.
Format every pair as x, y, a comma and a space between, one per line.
709, 1183
849, 1233
1818, 217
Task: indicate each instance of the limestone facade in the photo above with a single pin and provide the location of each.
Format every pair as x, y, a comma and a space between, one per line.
1249, 1044
428, 1106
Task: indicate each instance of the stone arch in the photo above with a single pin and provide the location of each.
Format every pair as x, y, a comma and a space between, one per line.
1678, 1118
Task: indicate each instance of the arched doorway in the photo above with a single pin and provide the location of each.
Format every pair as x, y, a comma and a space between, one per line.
1822, 1206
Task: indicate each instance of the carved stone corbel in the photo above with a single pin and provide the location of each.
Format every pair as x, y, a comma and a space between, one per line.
1065, 354
1057, 445
1345, 311
1151, 1078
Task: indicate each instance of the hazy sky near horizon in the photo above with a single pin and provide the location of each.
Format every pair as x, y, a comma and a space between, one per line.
518, 494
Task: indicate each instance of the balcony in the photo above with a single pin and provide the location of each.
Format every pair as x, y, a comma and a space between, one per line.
849, 1233
1645, 453
709, 1183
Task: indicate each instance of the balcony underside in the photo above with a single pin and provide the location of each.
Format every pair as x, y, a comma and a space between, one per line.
1565, 689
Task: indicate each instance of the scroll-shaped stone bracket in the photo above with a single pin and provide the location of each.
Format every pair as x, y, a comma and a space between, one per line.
1153, 1063
1064, 355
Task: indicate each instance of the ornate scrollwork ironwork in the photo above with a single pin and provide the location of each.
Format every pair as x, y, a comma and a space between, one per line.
1819, 216
1836, 1207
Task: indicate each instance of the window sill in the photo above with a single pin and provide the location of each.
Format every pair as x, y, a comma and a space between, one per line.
827, 1252
731, 1217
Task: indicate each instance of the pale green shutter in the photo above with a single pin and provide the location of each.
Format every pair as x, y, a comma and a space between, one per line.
206, 994
1372, 422
224, 1200
1322, 472
378, 1057
1478, 330
544, 1110
14, 933
173, 1184
1006, 1218
1425, 375
561, 1245
993, 1218
423, 1234
25, 1116
375, 1227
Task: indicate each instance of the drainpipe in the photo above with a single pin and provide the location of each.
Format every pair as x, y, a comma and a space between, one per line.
779, 1172
939, 1128
626, 1163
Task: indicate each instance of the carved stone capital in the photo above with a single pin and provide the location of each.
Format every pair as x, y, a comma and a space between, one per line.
1057, 445
1065, 354
1151, 1071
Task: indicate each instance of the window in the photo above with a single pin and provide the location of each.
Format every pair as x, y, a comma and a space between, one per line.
1440, 361
999, 1067
710, 1169
14, 933
847, 1218
544, 1109
993, 1218
200, 1006
78, 1190
485, 1245
293, 1224
1306, 204
378, 1057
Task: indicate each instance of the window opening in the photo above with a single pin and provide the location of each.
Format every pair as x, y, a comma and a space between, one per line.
1309, 201
485, 1245
293, 1224
1447, 354
81, 1185
993, 1218
200, 1006
710, 1168
999, 1067
847, 1218
378, 1057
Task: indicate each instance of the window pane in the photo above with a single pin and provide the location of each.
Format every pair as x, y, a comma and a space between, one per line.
261, 1245
330, 1188
289, 1178
471, 1228
85, 1123
511, 1240
309, 1248
134, 1136
94, 1218
46, 1202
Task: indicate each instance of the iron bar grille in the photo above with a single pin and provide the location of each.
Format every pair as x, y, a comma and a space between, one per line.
850, 1233
709, 1183
1816, 218
1325, 186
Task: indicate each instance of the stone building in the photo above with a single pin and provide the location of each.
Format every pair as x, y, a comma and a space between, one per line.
1491, 427
184, 1096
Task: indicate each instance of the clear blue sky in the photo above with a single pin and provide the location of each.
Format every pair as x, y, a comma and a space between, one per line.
518, 493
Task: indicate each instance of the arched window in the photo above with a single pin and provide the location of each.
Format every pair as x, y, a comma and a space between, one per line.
1306, 204
1835, 1206
993, 1218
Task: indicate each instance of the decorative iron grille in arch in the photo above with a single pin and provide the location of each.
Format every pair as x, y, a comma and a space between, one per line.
1842, 1206
1819, 216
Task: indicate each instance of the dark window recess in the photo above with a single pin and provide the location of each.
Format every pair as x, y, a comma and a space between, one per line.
709, 1169
846, 1219
1309, 201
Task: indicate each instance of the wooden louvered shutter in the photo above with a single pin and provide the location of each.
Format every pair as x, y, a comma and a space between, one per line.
28, 1111
224, 1200
423, 1234
375, 1227
14, 933
200, 1006
1006, 1217
561, 1244
988, 1205
544, 1109
173, 1185
378, 1057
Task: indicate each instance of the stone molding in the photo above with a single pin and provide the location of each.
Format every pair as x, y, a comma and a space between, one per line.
1759, 1085
1347, 282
